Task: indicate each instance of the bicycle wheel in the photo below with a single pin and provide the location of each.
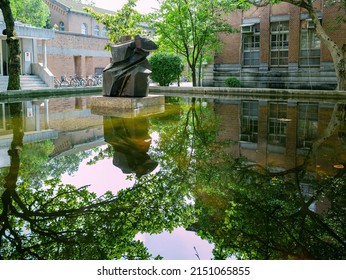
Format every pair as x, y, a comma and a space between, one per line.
64, 83
74, 83
82, 82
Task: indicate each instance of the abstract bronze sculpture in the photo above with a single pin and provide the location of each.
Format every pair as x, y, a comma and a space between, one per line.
127, 75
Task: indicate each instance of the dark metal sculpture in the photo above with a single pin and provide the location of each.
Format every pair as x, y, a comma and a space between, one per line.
127, 75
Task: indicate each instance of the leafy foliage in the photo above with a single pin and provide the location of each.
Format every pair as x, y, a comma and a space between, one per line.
232, 82
165, 67
45, 219
34, 12
190, 29
245, 210
124, 23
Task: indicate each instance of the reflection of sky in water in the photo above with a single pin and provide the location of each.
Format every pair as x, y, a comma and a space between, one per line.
104, 176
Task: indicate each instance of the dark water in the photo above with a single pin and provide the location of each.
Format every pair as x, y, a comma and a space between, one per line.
229, 178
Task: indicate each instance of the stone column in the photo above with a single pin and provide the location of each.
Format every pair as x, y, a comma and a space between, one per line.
46, 114
44, 53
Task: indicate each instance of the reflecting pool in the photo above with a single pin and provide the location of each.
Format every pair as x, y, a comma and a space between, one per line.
212, 178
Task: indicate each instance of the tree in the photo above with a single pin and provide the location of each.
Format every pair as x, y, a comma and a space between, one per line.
338, 52
165, 67
13, 45
124, 23
189, 28
251, 212
33, 12
42, 218
246, 210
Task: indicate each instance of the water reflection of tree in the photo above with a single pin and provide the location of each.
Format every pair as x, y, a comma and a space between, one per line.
56, 221
252, 213
246, 210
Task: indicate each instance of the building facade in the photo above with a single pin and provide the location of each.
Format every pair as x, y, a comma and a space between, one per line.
277, 47
79, 44
75, 46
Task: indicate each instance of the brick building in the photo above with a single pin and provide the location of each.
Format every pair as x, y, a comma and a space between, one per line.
78, 46
277, 47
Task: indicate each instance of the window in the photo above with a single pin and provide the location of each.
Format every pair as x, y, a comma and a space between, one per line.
279, 43
309, 45
84, 28
251, 44
249, 121
104, 32
61, 26
307, 124
277, 124
97, 30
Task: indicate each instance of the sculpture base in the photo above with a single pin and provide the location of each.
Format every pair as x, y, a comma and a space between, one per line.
127, 107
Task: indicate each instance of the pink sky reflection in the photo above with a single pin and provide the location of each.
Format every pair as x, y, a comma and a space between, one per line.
178, 245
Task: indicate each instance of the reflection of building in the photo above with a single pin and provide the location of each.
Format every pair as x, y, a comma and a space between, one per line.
277, 47
279, 134
35, 125
68, 122
77, 128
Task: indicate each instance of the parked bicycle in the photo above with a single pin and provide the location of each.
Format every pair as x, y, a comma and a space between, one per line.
77, 81
57, 83
94, 80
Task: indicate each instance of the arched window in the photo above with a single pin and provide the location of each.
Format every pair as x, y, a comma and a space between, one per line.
61, 26
84, 28
97, 30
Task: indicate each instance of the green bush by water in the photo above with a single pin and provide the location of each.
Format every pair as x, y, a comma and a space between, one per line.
165, 68
232, 82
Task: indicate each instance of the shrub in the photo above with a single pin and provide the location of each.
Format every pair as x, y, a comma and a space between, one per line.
232, 82
165, 68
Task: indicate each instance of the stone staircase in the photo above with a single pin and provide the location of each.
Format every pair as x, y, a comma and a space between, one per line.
26, 82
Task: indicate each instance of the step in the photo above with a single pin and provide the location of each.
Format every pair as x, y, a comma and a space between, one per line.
26, 82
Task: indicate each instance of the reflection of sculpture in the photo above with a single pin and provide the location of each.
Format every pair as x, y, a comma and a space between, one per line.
127, 75
130, 140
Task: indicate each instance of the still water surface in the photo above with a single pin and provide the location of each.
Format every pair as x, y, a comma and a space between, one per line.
197, 179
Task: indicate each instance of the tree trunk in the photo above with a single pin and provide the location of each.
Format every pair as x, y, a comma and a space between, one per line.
338, 54
194, 75
13, 45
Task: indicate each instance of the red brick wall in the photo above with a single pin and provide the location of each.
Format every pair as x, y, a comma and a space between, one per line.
69, 54
230, 50
294, 25
230, 53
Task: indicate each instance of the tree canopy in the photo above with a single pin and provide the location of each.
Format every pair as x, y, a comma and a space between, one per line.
165, 67
126, 22
34, 12
190, 29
